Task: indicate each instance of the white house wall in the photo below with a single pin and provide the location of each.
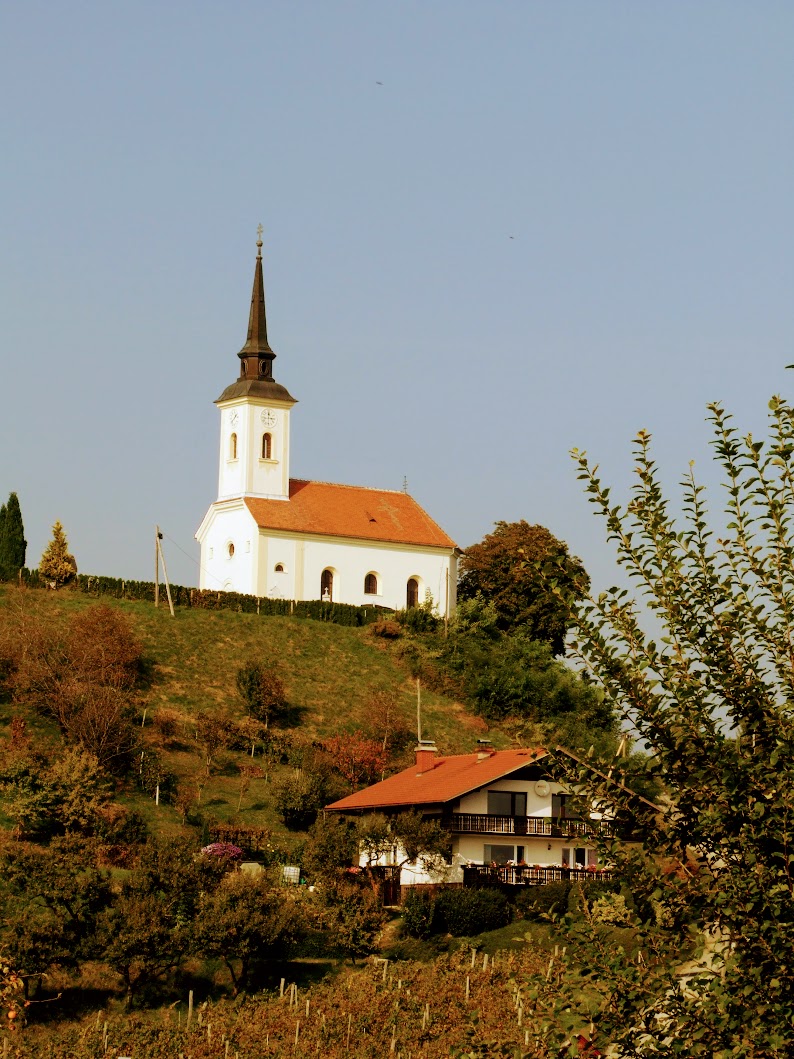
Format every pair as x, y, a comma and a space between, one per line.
477, 801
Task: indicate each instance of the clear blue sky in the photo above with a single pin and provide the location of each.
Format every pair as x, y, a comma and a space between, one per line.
551, 225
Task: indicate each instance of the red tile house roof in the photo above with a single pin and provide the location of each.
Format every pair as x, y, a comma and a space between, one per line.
349, 511
445, 779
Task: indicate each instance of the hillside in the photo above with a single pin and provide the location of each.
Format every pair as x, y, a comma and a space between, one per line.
330, 673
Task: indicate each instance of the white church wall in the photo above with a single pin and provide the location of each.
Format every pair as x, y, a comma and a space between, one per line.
351, 561
278, 566
228, 549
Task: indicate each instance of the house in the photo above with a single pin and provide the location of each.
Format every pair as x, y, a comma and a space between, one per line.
507, 816
271, 535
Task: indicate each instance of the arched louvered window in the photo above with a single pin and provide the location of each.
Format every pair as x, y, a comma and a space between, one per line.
267, 446
233, 447
371, 585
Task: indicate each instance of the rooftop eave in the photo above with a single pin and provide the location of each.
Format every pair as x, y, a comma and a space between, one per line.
264, 388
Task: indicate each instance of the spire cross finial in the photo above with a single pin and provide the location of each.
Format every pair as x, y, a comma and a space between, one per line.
259, 231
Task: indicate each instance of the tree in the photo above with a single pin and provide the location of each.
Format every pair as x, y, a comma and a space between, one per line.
13, 545
263, 692
147, 931
246, 919
515, 681
299, 798
713, 699
358, 760
331, 847
505, 569
408, 838
81, 672
51, 899
56, 564
353, 917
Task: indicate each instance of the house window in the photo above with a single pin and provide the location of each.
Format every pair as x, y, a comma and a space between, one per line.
371, 585
412, 593
562, 807
507, 803
233, 447
578, 857
327, 586
267, 446
493, 854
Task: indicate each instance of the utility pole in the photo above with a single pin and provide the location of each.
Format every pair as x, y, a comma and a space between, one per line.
161, 557
157, 566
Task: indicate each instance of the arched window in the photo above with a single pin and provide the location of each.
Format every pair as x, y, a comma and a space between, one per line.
412, 593
327, 586
279, 568
233, 447
267, 446
371, 585
230, 549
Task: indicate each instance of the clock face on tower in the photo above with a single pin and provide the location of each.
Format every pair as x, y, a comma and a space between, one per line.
268, 418
233, 419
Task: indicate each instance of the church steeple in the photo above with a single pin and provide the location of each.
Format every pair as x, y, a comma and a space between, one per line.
256, 356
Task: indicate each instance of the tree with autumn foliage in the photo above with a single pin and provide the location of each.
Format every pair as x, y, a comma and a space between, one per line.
358, 759
505, 569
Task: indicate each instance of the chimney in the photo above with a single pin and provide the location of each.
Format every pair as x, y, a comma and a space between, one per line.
425, 755
484, 749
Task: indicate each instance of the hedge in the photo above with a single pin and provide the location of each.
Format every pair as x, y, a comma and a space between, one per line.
207, 599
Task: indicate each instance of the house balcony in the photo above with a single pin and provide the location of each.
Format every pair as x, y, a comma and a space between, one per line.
543, 826
482, 875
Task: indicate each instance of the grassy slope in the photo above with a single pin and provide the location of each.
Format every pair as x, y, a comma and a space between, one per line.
330, 673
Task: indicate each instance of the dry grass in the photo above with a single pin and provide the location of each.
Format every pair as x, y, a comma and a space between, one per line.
330, 672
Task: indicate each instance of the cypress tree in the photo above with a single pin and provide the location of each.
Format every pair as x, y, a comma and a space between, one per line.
3, 548
12, 539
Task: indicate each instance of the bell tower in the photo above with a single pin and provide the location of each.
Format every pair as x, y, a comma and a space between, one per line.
255, 412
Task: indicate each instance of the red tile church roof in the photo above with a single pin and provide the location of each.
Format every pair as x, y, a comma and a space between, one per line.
448, 778
349, 511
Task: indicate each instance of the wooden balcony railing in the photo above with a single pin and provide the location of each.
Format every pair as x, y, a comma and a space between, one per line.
525, 875
484, 823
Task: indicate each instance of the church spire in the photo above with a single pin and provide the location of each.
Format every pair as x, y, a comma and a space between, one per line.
256, 356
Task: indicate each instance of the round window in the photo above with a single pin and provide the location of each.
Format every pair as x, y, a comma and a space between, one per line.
231, 549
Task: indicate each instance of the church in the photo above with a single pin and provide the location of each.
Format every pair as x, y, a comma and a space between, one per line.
271, 535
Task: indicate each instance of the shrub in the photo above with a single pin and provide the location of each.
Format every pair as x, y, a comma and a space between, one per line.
299, 798
467, 912
611, 909
418, 619
262, 690
386, 629
538, 901
418, 913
